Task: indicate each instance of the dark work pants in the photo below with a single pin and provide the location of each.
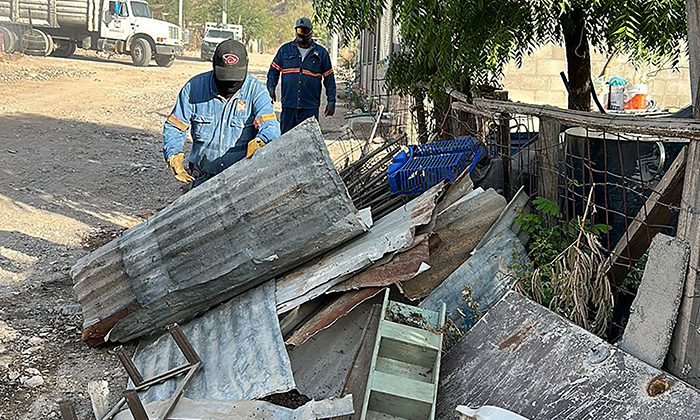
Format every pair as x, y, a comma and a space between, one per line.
291, 117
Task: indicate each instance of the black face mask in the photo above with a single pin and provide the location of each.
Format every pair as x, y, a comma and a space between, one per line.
304, 41
227, 89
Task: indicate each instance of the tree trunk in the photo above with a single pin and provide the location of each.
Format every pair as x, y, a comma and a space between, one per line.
578, 58
419, 106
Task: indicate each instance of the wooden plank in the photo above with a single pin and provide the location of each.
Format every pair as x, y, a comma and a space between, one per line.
410, 335
405, 369
669, 127
548, 158
650, 220
218, 240
684, 357
403, 387
526, 359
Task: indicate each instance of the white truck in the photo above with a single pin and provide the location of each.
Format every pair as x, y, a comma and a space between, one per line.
216, 34
57, 27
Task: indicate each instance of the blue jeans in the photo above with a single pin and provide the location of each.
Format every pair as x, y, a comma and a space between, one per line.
291, 117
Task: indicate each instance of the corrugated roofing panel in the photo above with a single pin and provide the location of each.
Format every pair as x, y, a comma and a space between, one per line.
241, 347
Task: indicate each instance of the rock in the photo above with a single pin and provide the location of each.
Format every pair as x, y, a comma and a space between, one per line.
35, 341
7, 333
32, 371
31, 350
34, 381
12, 375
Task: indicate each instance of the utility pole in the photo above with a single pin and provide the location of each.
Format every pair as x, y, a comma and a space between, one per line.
180, 19
223, 14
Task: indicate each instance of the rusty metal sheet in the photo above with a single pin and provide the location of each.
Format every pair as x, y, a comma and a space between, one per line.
321, 364
241, 348
188, 409
458, 229
356, 381
402, 266
218, 240
331, 313
480, 282
391, 233
524, 358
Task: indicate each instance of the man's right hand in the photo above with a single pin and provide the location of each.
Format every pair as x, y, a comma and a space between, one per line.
176, 165
273, 96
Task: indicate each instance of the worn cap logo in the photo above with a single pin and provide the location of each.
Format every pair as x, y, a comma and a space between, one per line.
230, 59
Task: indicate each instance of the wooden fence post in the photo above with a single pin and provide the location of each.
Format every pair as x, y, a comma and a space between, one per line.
548, 159
684, 356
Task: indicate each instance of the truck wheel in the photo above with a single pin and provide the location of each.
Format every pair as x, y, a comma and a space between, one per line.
9, 41
37, 43
64, 49
165, 60
141, 52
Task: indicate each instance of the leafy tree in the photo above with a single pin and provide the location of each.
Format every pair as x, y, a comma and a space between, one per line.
465, 44
647, 30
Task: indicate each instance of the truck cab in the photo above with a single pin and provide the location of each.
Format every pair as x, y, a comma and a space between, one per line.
215, 35
130, 27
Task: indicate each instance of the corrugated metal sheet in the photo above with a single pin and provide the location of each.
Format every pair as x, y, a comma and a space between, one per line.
458, 229
402, 266
480, 282
389, 234
188, 409
241, 348
331, 313
526, 359
239, 229
321, 364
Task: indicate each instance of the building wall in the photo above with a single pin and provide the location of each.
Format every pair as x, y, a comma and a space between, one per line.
538, 80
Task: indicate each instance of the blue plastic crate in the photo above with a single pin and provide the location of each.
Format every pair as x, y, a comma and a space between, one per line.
460, 145
418, 170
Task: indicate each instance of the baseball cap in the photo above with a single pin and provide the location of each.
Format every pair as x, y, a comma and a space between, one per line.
231, 61
303, 22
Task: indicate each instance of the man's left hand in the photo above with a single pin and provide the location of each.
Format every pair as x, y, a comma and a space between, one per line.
254, 145
329, 112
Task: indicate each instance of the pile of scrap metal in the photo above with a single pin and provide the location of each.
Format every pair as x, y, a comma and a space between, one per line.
282, 295
277, 290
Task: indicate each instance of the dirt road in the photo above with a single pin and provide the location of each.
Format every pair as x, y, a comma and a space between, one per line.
80, 160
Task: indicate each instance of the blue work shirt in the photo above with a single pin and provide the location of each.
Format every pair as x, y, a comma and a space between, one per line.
301, 80
221, 128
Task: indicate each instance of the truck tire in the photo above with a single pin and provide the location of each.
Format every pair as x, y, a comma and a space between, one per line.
141, 52
9, 40
64, 49
37, 43
165, 60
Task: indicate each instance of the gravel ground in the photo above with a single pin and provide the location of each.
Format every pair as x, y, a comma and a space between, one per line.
80, 160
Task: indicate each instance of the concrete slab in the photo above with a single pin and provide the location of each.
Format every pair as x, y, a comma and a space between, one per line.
655, 309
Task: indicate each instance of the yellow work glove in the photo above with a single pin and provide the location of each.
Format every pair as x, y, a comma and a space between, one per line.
254, 145
176, 164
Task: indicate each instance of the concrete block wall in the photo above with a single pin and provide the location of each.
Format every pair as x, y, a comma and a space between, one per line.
538, 80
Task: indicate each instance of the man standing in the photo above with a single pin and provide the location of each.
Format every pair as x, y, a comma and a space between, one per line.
303, 64
230, 115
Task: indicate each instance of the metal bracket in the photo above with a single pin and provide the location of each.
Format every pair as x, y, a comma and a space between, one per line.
131, 398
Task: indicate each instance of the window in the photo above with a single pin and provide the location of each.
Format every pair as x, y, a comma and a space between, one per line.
118, 9
216, 33
141, 9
